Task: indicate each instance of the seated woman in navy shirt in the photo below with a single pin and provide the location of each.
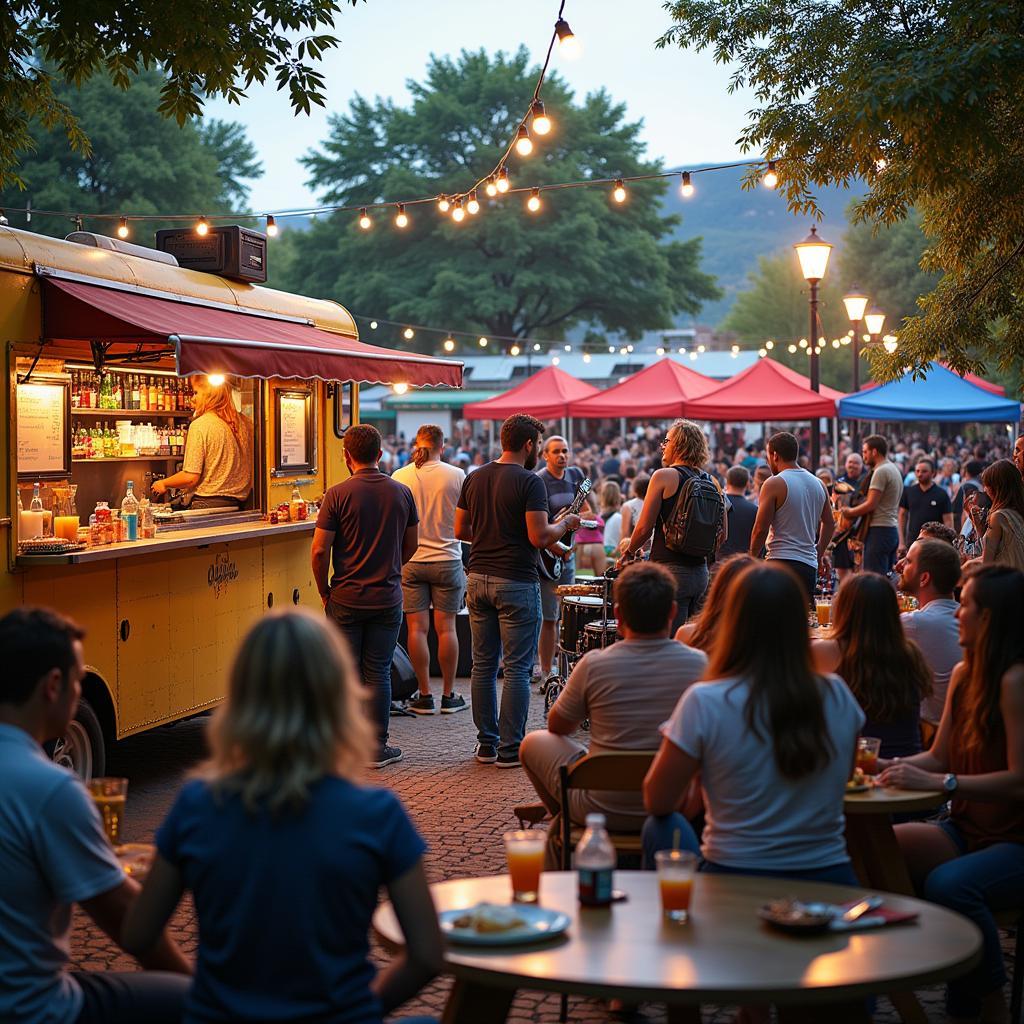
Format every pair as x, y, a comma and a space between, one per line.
284, 853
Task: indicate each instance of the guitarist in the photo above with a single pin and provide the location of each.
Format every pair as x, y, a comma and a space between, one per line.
850, 490
560, 481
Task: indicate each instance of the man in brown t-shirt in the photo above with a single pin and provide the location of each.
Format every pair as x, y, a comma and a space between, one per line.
367, 529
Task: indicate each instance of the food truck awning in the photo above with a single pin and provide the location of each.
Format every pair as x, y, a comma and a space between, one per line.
209, 338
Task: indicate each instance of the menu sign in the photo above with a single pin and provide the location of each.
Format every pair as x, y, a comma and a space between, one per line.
294, 422
44, 439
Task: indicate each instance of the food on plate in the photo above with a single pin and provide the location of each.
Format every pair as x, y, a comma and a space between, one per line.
858, 780
487, 918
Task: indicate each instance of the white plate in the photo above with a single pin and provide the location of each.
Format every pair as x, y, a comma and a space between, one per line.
539, 924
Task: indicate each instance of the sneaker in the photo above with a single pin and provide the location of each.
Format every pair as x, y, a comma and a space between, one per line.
423, 704
508, 760
486, 753
454, 703
388, 755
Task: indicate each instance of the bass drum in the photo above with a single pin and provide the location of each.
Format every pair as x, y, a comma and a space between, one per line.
599, 634
576, 613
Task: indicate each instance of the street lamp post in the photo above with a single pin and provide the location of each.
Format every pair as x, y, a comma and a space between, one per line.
813, 253
874, 321
856, 302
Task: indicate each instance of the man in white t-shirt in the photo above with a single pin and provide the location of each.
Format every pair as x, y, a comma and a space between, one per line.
54, 852
435, 575
627, 691
930, 573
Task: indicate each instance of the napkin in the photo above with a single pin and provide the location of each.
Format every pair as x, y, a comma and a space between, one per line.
877, 918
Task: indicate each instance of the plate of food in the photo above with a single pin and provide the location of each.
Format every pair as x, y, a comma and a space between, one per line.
492, 924
790, 915
859, 782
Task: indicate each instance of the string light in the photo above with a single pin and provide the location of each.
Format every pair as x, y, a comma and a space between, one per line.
373, 325
491, 188
401, 219
682, 350
693, 357
586, 357
502, 184
514, 350
762, 352
702, 349
122, 228
555, 360
619, 192
611, 348
686, 189
408, 334
524, 144
533, 203
449, 344
536, 346
541, 123
459, 213
271, 226
203, 227
483, 343
400, 388
890, 343
803, 343
792, 349
442, 203
568, 44
660, 351
771, 178
769, 345
473, 205
364, 220
836, 343
568, 348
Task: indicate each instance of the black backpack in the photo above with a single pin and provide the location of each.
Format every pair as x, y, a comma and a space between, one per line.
693, 525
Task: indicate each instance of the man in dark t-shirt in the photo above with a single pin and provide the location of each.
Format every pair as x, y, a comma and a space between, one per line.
503, 513
923, 502
741, 514
367, 529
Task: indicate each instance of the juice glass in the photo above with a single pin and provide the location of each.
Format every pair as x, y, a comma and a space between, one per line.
823, 606
524, 850
676, 870
110, 794
867, 754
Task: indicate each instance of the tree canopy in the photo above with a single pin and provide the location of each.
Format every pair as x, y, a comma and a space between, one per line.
582, 259
201, 48
139, 161
924, 101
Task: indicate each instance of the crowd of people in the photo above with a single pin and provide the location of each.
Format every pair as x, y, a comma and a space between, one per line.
755, 722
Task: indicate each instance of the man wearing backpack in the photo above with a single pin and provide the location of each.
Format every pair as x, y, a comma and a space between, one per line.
686, 511
794, 516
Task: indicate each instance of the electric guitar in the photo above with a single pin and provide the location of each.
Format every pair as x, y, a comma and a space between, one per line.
854, 530
551, 564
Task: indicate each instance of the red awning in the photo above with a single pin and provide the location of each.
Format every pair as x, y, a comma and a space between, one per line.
547, 395
660, 390
766, 390
805, 382
210, 339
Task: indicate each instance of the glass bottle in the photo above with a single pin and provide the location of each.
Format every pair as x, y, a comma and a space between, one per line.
154, 403
130, 513
135, 391
143, 395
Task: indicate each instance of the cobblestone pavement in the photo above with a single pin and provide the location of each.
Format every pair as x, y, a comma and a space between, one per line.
459, 806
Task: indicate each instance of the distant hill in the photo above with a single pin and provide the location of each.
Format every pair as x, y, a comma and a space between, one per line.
738, 227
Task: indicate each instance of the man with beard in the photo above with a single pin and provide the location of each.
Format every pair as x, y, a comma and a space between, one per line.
503, 514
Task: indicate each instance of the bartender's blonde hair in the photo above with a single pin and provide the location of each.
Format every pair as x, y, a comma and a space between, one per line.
293, 714
219, 399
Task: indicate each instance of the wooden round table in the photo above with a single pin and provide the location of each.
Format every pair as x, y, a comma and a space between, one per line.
725, 954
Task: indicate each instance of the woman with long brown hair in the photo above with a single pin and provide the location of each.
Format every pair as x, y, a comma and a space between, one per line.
973, 862
886, 672
773, 741
1004, 538
700, 632
284, 850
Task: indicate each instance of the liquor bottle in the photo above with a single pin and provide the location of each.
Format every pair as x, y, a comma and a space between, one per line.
94, 391
595, 863
130, 513
119, 399
76, 395
154, 401
135, 391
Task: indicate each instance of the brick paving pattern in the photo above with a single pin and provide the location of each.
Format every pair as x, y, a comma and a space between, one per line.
461, 808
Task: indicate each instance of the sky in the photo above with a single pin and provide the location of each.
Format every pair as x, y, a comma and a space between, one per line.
680, 95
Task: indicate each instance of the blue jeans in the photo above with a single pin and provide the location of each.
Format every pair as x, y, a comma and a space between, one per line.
155, 997
372, 635
504, 615
880, 546
691, 583
975, 884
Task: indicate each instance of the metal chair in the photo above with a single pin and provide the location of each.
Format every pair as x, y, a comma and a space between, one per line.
1015, 919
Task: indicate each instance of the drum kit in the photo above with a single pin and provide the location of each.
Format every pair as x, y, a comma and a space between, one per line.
584, 625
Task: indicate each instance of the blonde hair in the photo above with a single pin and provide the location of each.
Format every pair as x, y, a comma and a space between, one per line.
219, 400
687, 445
611, 498
293, 714
429, 440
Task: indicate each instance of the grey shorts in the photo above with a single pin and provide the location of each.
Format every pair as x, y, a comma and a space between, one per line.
549, 603
441, 584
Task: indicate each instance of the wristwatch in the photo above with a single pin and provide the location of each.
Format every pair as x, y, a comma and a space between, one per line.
950, 783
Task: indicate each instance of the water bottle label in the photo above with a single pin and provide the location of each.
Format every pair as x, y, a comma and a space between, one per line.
595, 887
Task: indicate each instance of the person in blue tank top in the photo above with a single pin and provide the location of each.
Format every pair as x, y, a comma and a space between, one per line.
284, 852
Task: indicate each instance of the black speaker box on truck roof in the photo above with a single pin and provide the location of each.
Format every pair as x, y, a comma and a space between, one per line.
226, 250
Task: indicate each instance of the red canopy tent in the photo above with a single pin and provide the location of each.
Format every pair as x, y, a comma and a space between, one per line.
659, 390
795, 375
764, 391
547, 395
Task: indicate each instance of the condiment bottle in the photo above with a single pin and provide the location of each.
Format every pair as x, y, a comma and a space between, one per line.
595, 863
130, 513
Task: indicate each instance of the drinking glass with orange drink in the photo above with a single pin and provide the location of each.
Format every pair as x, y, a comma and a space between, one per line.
823, 606
110, 795
524, 850
676, 870
868, 748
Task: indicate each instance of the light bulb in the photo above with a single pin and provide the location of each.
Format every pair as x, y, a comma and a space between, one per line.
890, 343
693, 357
401, 220
533, 203
682, 350
555, 360
524, 144
702, 349
442, 203
629, 348
373, 325
203, 227
686, 189
449, 344
568, 44
483, 343
400, 388
514, 350
215, 380
770, 179
586, 357
541, 122
836, 343
660, 351
473, 205
459, 213
769, 345
271, 227
364, 220
502, 183
792, 349
735, 348
803, 343
491, 188
611, 348
619, 192
762, 352
408, 334
568, 348
536, 346
122, 228
734, 354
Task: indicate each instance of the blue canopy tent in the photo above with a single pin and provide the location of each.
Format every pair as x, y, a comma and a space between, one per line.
942, 397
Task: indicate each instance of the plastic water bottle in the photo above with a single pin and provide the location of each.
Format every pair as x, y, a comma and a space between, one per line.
130, 513
595, 863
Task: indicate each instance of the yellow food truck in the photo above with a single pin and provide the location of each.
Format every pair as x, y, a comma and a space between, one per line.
102, 341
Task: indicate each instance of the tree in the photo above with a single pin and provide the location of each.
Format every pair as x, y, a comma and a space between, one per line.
581, 259
139, 162
924, 100
202, 48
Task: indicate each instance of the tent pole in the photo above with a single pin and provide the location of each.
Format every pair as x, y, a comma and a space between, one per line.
568, 433
622, 427
490, 440
835, 442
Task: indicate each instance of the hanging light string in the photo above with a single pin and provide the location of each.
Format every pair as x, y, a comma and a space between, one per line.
496, 182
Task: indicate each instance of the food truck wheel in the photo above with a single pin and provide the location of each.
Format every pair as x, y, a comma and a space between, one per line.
81, 748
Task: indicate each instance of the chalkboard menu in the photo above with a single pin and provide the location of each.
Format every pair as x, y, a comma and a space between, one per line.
44, 434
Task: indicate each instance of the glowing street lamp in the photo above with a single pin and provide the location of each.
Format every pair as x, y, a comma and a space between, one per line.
856, 302
813, 253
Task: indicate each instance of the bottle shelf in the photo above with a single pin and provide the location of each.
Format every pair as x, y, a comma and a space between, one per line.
148, 413
133, 458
